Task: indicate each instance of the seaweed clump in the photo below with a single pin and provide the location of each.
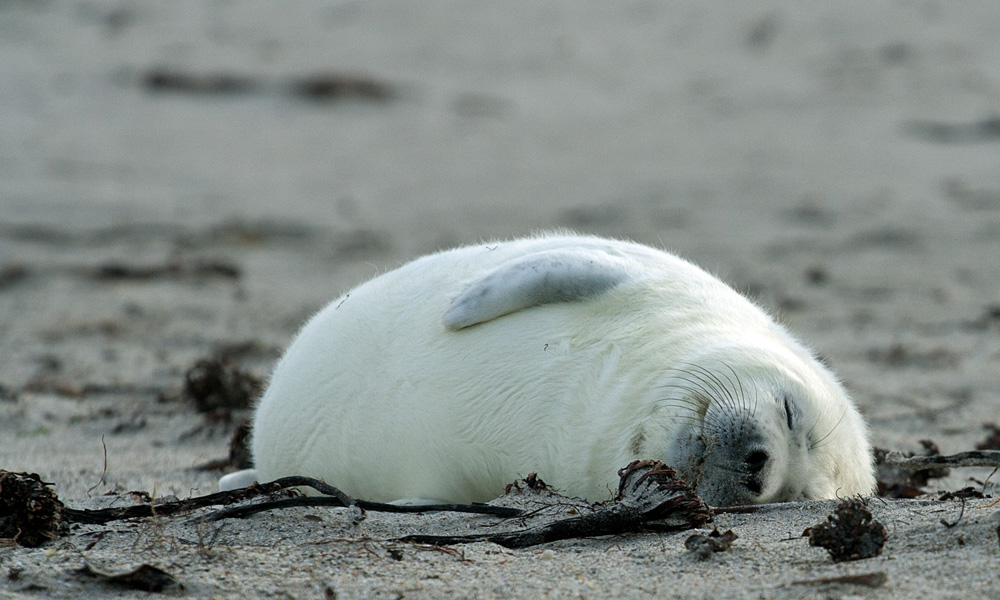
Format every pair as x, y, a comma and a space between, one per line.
219, 387
850, 533
30, 512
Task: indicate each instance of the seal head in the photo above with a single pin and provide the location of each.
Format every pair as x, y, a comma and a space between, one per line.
764, 427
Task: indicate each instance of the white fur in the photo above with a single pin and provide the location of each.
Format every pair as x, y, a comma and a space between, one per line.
562, 355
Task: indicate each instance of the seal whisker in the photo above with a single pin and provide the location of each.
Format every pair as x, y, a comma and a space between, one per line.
703, 399
729, 385
697, 401
687, 418
721, 393
730, 395
818, 442
738, 381
694, 378
741, 399
696, 392
691, 414
812, 428
689, 400
740, 392
718, 384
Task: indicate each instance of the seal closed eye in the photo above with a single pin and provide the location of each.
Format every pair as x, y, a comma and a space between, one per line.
440, 380
539, 278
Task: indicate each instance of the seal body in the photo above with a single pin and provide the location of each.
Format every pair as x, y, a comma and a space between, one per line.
565, 355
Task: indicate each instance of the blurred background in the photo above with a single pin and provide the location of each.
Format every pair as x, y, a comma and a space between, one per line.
180, 176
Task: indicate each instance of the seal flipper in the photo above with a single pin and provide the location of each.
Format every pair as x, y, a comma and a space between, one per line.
239, 479
540, 278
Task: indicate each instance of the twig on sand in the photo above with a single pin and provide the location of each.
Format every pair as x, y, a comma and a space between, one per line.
975, 458
649, 496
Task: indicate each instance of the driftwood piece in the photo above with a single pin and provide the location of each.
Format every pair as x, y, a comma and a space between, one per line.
649, 496
975, 458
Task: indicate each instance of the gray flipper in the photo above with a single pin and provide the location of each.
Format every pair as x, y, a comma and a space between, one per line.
540, 278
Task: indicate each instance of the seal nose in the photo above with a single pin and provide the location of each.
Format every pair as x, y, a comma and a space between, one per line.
755, 462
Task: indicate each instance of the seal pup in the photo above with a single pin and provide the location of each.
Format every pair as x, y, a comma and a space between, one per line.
565, 355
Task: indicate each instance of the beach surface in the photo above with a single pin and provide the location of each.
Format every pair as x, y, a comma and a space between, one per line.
192, 180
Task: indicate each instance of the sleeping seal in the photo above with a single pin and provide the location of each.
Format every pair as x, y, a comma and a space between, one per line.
565, 355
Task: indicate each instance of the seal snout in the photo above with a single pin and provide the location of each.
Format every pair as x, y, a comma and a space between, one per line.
736, 470
754, 464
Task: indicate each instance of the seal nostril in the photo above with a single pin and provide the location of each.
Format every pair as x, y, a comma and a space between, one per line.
755, 485
756, 460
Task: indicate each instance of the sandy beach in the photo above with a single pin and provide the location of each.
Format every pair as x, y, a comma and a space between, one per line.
192, 179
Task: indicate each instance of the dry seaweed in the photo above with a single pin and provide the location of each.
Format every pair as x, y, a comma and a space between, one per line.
965, 493
339, 86
165, 508
973, 458
334, 497
162, 80
992, 441
703, 546
895, 481
850, 533
239, 447
11, 275
30, 512
649, 497
218, 386
532, 482
239, 451
111, 272
985, 129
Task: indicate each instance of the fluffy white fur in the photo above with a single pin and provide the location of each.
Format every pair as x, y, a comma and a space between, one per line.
564, 355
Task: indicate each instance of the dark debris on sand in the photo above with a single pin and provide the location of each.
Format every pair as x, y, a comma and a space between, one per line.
850, 533
532, 482
894, 482
992, 441
30, 512
703, 546
217, 385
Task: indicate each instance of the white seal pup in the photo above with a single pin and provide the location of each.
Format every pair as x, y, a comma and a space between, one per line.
565, 355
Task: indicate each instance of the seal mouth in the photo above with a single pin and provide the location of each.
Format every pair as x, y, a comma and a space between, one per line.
721, 472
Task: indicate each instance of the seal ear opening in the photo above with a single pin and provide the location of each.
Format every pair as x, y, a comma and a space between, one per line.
540, 278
